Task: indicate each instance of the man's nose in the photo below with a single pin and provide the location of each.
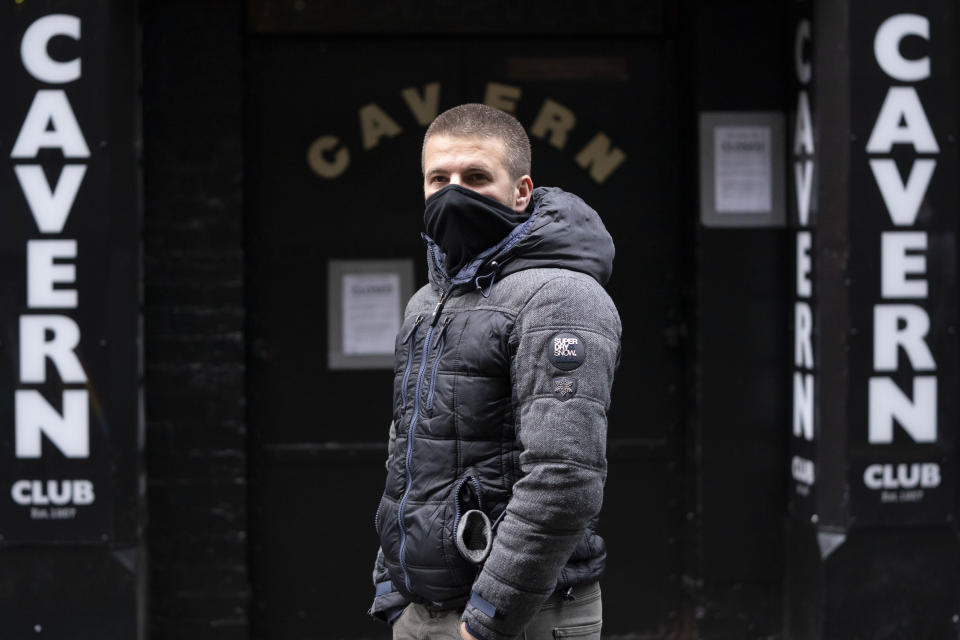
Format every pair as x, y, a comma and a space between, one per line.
455, 179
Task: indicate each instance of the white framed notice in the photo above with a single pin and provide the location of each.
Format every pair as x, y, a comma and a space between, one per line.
365, 300
742, 160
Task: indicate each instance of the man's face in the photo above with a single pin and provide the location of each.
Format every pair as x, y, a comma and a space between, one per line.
475, 163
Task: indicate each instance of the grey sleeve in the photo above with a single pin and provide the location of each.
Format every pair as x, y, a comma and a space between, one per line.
388, 603
562, 427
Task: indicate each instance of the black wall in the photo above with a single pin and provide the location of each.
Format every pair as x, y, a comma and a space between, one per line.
193, 319
738, 433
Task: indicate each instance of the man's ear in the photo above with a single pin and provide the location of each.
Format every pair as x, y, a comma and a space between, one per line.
524, 191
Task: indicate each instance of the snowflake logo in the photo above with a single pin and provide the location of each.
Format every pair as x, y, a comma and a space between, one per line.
564, 387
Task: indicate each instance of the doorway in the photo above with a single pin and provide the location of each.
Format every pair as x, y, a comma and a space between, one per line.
318, 435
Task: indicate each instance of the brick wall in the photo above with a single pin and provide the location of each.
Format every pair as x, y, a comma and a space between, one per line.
194, 318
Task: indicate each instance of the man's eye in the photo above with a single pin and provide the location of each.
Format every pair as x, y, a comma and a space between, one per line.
437, 179
478, 177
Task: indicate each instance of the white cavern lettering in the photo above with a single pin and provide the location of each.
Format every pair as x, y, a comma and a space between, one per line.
35, 348
804, 380
903, 200
802, 66
803, 177
803, 405
804, 284
803, 133
33, 49
902, 328
917, 414
886, 47
803, 344
43, 273
50, 208
902, 104
69, 430
50, 123
901, 258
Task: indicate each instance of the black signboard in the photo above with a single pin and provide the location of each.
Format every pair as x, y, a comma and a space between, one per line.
69, 272
903, 261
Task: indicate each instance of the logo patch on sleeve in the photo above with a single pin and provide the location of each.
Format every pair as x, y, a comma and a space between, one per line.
566, 351
564, 388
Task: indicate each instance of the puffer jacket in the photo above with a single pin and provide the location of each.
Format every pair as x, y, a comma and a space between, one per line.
501, 390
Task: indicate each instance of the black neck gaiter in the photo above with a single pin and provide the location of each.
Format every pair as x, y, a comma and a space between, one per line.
464, 223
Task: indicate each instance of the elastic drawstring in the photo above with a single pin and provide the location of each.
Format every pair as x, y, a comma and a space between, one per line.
496, 523
492, 276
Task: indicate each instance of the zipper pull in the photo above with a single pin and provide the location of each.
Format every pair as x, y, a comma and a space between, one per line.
438, 309
443, 329
416, 323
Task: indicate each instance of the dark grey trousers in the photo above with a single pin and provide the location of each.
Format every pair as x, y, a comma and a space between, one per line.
579, 618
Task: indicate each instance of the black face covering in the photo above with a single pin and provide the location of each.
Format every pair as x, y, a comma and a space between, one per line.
463, 223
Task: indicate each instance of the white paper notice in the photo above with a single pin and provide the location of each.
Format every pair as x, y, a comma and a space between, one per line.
371, 313
742, 166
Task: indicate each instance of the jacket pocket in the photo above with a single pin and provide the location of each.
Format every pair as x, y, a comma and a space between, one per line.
410, 340
441, 341
472, 530
584, 631
466, 494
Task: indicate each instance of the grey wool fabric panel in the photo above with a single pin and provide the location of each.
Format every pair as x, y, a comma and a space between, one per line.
563, 446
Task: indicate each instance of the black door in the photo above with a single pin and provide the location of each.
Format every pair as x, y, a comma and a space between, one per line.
318, 435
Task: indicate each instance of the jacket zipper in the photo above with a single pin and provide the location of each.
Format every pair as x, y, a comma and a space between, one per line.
438, 310
436, 362
456, 499
428, 341
411, 342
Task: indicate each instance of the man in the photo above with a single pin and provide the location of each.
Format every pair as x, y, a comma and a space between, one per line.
503, 369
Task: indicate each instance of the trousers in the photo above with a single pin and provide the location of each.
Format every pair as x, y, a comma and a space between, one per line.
579, 617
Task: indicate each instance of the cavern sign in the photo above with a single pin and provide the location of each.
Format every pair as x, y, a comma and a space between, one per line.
888, 254
329, 158
68, 307
803, 467
903, 269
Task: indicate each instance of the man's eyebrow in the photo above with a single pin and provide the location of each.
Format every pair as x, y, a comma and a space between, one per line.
474, 167
478, 167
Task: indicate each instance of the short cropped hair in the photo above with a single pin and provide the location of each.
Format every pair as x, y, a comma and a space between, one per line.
482, 121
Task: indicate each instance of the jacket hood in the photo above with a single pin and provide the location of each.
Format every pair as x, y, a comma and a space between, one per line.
561, 232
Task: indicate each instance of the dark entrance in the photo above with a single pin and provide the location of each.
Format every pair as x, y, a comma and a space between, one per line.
318, 435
